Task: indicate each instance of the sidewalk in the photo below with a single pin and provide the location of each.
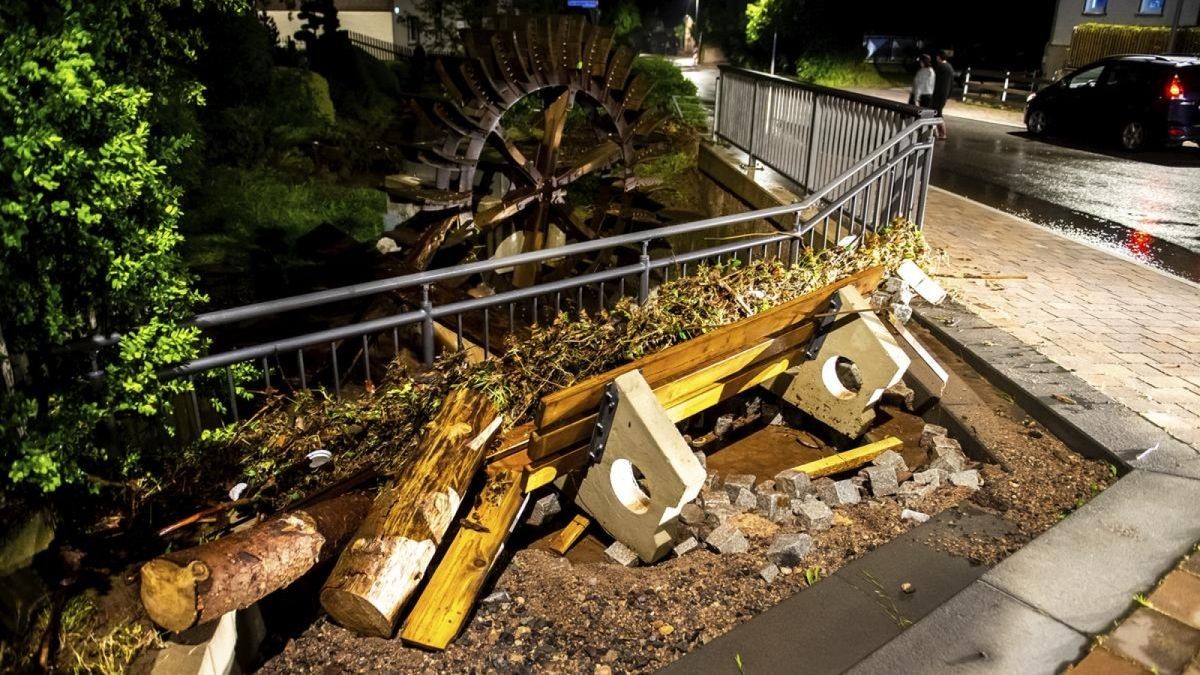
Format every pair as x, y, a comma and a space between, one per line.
956, 108
1127, 330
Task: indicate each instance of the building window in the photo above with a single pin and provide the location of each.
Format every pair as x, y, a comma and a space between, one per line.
1095, 7
414, 30
1152, 7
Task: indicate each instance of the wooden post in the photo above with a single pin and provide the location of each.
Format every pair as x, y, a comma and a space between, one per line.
387, 558
184, 588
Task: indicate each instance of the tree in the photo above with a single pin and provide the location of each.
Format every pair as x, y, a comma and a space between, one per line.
93, 121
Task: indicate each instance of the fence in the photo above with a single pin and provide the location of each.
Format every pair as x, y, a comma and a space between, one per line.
808, 133
999, 86
888, 179
1094, 41
389, 51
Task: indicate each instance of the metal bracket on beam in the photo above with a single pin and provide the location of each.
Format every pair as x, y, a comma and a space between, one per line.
608, 407
818, 339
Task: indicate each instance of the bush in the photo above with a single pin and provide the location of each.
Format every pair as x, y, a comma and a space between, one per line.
842, 71
299, 108
672, 92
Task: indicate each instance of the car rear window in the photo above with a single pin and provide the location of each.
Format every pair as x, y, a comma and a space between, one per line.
1190, 77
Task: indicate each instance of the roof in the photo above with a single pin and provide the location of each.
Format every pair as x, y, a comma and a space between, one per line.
1172, 59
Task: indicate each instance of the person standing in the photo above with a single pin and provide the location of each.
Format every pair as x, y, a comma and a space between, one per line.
922, 87
943, 79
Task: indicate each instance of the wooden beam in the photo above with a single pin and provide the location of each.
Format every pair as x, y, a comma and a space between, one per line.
562, 541
851, 459
448, 340
564, 406
387, 558
444, 606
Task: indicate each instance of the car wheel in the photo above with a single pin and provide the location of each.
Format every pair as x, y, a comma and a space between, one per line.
1038, 123
1133, 136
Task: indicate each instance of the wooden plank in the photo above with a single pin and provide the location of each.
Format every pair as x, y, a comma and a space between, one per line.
443, 607
851, 459
512, 442
675, 362
562, 541
700, 390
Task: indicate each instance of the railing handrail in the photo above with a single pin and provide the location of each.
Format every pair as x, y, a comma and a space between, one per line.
262, 350
417, 279
886, 104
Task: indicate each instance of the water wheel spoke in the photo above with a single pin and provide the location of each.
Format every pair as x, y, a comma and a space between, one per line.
599, 157
522, 169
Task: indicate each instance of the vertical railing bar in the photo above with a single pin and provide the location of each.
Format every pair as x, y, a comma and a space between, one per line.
337, 375
460, 331
233, 406
266, 373
367, 357
487, 337
195, 403
300, 364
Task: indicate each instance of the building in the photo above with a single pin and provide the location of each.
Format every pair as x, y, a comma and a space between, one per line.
399, 22
1071, 13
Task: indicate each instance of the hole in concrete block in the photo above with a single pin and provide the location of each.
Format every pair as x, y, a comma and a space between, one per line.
841, 377
629, 486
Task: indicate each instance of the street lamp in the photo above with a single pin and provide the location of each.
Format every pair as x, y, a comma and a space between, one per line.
699, 35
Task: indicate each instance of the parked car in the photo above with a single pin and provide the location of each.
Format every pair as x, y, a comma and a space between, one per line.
1137, 101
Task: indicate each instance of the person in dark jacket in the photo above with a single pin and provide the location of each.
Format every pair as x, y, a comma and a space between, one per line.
943, 79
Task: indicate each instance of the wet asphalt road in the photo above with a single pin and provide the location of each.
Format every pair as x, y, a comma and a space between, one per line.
1145, 206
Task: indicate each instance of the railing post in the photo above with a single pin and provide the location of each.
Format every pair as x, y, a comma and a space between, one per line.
1004, 91
966, 83
644, 282
717, 108
812, 144
925, 173
426, 326
753, 124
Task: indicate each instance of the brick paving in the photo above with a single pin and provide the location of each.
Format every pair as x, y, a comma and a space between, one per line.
1161, 635
1125, 329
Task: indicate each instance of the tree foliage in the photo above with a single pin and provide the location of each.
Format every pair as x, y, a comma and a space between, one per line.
93, 122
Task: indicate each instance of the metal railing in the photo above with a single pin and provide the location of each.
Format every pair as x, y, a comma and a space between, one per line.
887, 181
385, 50
808, 133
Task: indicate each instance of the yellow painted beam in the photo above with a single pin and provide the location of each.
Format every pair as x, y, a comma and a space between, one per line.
564, 539
851, 459
442, 610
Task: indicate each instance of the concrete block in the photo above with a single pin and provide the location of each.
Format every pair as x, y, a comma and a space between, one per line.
764, 488
912, 491
891, 458
622, 554
915, 516
646, 475
860, 339
813, 514
702, 458
775, 507
930, 477
723, 426
793, 483
544, 509
769, 573
735, 483
968, 479
789, 549
948, 455
708, 499
745, 500
716, 514
847, 493
712, 481
727, 539
686, 546
914, 277
883, 480
691, 514
930, 432
826, 490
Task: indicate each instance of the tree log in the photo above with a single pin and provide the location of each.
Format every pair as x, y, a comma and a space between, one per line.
388, 556
184, 588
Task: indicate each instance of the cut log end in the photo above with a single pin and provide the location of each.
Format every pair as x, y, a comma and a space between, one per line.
356, 613
168, 592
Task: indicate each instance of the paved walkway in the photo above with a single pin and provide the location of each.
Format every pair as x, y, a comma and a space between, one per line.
1125, 329
954, 108
1160, 636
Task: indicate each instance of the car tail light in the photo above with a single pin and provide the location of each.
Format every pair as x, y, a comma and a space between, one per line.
1175, 89
1176, 132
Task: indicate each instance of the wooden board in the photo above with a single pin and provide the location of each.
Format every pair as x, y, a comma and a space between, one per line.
562, 407
444, 606
564, 539
851, 459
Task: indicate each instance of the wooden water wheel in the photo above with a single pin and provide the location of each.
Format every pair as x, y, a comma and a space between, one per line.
593, 126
